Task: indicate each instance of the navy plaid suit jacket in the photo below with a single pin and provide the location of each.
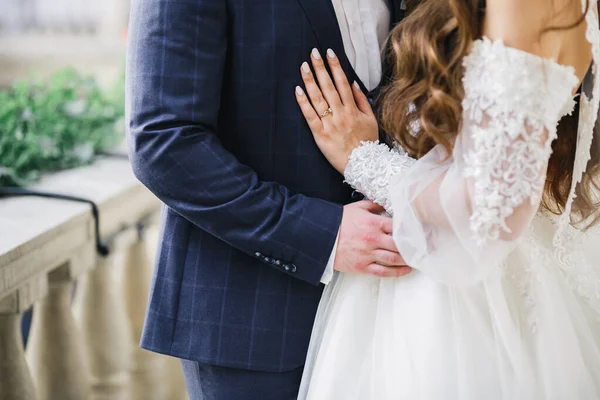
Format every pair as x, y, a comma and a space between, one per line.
251, 207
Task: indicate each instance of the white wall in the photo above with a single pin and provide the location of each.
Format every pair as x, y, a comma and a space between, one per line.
40, 36
53, 15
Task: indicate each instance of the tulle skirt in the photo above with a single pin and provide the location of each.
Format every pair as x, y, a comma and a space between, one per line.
530, 331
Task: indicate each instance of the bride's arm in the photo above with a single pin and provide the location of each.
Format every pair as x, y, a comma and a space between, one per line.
456, 218
494, 72
370, 168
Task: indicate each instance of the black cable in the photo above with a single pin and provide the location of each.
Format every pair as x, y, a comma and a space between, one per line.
101, 248
114, 154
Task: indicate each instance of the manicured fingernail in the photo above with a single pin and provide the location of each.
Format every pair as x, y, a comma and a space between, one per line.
299, 91
316, 55
305, 67
330, 54
356, 85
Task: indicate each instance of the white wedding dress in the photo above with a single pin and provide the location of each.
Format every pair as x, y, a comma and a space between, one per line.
504, 299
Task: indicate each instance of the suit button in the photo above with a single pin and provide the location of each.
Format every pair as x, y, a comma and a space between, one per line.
267, 259
357, 195
290, 268
258, 254
278, 263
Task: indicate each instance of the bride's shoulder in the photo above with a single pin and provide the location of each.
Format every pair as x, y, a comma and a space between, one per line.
553, 30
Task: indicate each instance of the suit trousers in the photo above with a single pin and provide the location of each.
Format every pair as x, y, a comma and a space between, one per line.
209, 382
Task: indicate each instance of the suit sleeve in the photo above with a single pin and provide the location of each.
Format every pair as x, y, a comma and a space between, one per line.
176, 59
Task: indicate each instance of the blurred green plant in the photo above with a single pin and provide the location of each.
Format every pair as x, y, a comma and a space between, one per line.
57, 124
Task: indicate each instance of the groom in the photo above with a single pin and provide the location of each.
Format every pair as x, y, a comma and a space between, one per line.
255, 218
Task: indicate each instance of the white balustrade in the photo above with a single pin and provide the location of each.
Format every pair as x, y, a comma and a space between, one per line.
147, 371
16, 381
103, 320
47, 247
169, 367
55, 349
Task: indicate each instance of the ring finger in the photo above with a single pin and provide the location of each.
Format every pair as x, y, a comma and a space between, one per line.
388, 258
314, 92
325, 83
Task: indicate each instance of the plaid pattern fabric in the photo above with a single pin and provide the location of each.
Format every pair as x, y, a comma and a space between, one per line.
252, 208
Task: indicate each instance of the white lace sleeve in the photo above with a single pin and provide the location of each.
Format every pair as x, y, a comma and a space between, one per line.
370, 168
456, 219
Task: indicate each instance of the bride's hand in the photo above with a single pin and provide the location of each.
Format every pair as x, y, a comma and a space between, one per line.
338, 114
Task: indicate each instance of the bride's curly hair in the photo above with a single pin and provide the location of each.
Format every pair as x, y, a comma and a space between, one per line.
425, 54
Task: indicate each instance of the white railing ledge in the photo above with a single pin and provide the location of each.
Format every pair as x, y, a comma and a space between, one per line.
38, 235
84, 348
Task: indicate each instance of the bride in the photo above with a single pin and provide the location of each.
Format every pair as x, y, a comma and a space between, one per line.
493, 184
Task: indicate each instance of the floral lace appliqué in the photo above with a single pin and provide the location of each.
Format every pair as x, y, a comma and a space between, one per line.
371, 167
509, 131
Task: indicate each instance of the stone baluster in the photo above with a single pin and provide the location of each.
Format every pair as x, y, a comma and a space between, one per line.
101, 314
171, 367
176, 382
55, 348
147, 378
16, 382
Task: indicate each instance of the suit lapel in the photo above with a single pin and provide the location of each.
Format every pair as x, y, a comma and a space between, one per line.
321, 16
397, 11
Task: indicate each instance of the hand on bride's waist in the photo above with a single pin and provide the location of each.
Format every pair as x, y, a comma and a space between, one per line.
338, 114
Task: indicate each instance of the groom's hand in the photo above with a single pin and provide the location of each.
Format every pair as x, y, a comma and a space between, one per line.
365, 243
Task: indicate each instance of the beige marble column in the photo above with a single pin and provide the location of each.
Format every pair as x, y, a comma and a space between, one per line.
100, 311
176, 382
112, 20
55, 351
170, 367
15, 379
147, 378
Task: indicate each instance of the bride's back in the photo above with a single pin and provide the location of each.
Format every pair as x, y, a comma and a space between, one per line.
550, 29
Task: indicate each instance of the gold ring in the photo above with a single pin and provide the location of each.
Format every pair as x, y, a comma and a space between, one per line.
326, 113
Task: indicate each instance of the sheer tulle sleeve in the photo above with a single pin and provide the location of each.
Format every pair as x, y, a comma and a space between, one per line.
457, 218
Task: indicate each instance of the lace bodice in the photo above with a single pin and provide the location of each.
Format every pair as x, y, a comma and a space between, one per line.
484, 197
